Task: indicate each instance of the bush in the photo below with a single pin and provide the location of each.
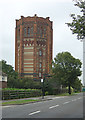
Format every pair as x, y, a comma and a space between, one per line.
13, 93
46, 93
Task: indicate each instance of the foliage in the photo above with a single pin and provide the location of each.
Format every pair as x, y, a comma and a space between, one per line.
77, 85
28, 83
16, 94
8, 69
78, 24
9, 89
12, 76
66, 69
14, 81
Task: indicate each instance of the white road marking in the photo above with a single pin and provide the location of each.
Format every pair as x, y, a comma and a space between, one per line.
9, 106
5, 106
53, 106
34, 113
66, 102
79, 98
74, 100
57, 97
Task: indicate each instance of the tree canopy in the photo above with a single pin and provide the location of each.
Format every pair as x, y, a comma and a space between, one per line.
66, 68
8, 69
14, 81
78, 22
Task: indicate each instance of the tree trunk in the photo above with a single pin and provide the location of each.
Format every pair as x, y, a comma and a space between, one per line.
69, 90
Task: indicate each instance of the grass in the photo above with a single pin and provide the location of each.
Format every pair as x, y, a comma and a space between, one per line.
19, 102
66, 94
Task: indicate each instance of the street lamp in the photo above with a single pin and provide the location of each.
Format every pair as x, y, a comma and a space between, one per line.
43, 93
42, 81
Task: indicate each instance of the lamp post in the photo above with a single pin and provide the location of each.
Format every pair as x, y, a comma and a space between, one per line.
84, 62
84, 52
43, 92
42, 81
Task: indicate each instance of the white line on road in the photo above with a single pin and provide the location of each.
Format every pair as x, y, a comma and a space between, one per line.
53, 106
6, 106
66, 102
57, 97
79, 98
74, 100
34, 112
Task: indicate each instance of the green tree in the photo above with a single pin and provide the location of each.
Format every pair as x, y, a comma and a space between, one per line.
78, 22
29, 83
8, 69
77, 85
14, 81
66, 69
12, 76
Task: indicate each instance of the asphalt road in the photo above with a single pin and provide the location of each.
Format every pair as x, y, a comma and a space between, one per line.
58, 107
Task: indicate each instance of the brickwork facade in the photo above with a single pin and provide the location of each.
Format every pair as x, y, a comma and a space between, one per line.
33, 46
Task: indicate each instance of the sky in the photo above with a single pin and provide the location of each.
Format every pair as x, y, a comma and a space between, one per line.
59, 12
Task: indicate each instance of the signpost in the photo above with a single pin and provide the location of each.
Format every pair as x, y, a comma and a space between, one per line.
42, 81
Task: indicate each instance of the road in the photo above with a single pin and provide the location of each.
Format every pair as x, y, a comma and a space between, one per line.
58, 107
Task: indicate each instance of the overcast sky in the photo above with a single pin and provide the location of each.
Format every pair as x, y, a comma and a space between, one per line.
59, 12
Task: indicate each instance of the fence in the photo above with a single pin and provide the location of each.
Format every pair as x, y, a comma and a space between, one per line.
60, 91
17, 94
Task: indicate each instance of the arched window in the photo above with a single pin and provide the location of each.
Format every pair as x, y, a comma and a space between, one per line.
28, 31
25, 31
40, 65
44, 30
39, 74
31, 30
40, 53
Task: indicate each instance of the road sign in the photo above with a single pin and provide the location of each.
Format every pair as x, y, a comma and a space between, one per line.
41, 80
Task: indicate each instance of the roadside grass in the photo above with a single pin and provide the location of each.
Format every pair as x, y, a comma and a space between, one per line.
67, 94
19, 102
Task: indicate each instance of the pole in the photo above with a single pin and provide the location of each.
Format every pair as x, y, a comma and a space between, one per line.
42, 81
84, 52
43, 93
84, 61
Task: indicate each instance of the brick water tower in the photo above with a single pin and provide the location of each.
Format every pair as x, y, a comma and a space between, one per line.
33, 46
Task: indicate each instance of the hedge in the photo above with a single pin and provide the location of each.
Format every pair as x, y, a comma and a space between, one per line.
17, 94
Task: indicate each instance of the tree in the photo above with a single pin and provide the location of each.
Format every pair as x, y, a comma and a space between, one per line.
29, 83
14, 81
77, 85
8, 69
12, 76
66, 69
78, 24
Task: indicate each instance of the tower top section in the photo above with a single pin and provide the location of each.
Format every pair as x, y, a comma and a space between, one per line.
34, 19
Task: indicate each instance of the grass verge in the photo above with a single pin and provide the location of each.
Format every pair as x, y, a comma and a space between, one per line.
19, 102
66, 94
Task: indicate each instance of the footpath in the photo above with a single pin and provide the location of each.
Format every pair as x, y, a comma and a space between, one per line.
32, 99
49, 97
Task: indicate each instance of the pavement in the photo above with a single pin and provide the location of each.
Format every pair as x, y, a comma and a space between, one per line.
48, 97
